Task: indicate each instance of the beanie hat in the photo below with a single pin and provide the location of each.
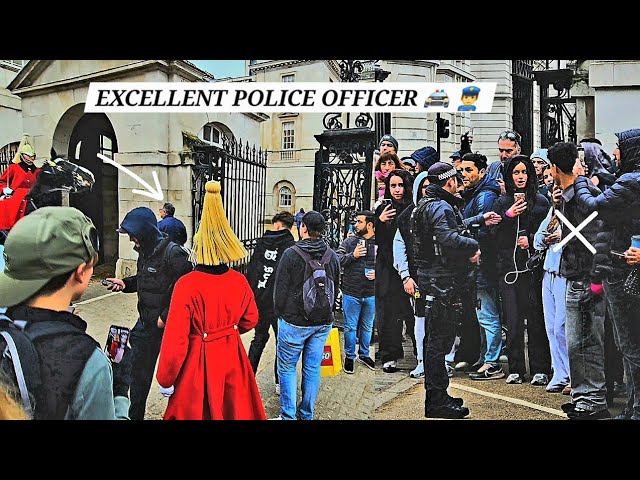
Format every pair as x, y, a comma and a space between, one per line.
417, 183
441, 171
215, 243
541, 153
389, 138
425, 156
25, 147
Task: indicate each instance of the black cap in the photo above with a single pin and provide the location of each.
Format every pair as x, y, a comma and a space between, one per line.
314, 221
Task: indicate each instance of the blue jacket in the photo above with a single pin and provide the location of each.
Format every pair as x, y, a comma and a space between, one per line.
174, 228
479, 201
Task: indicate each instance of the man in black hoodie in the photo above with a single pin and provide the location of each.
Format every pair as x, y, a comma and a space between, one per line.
260, 274
161, 263
298, 334
619, 209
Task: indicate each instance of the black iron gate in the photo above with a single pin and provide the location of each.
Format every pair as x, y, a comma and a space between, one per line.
522, 77
241, 171
342, 180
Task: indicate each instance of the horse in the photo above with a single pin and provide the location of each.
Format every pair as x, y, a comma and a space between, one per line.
56, 176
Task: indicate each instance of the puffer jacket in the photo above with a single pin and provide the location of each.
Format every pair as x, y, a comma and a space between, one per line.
619, 205
161, 263
354, 282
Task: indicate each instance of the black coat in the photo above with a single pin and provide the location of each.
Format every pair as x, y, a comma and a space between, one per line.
354, 282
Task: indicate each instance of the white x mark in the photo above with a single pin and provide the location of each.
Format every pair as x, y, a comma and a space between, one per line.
575, 232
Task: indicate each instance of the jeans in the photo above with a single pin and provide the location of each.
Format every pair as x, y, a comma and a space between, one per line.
293, 341
489, 320
145, 348
359, 314
624, 312
260, 339
585, 345
554, 290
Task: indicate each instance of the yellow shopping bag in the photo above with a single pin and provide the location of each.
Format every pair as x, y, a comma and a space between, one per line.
331, 359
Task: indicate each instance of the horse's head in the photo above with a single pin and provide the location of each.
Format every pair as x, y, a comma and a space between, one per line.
61, 174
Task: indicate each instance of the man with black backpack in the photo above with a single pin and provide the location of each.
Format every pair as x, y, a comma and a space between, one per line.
305, 290
50, 255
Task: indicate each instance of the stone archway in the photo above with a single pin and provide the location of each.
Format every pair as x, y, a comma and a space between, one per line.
82, 136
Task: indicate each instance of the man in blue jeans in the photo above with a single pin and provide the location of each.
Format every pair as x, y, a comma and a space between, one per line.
298, 334
357, 258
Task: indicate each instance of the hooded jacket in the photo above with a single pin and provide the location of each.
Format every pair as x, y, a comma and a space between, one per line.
479, 200
505, 233
263, 265
174, 228
354, 281
161, 263
619, 205
287, 290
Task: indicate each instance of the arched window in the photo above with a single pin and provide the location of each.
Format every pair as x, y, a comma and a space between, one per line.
284, 197
212, 134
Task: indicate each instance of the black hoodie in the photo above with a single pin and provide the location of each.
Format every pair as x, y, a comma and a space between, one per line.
287, 291
262, 267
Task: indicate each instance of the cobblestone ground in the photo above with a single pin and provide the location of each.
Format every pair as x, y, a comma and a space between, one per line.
341, 397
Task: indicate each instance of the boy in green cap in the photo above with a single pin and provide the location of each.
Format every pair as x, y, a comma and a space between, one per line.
49, 259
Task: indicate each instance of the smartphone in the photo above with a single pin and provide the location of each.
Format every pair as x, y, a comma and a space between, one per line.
386, 201
617, 254
117, 339
106, 283
581, 157
521, 195
362, 242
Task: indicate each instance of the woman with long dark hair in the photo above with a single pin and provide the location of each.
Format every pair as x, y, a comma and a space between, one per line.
522, 210
393, 306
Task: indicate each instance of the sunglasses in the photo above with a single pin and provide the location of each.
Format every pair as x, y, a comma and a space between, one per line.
513, 136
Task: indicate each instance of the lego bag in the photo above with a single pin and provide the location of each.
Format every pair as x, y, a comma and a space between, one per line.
331, 358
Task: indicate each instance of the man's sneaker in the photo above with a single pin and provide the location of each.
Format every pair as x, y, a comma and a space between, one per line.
277, 389
390, 367
450, 370
580, 414
418, 372
276, 418
490, 373
540, 379
479, 368
461, 366
367, 362
514, 379
348, 365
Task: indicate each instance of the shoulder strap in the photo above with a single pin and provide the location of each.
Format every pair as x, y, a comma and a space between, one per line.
305, 256
17, 367
326, 258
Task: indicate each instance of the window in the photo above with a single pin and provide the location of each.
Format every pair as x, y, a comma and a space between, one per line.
213, 135
285, 197
289, 78
288, 140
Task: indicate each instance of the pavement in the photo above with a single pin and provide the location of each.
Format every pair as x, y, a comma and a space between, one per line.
363, 395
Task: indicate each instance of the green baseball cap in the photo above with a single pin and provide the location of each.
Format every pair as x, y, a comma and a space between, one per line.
48, 242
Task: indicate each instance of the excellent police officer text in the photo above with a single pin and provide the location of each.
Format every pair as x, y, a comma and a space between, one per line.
129, 97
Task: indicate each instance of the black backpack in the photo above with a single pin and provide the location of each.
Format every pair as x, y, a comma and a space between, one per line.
19, 359
318, 288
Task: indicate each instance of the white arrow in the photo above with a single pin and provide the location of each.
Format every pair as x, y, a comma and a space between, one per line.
155, 193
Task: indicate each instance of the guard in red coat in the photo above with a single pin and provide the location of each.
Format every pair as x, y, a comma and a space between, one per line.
202, 356
15, 183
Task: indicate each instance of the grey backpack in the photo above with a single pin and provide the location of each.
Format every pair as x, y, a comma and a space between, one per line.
318, 287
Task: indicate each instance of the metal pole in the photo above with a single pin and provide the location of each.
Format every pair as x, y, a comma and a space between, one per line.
438, 134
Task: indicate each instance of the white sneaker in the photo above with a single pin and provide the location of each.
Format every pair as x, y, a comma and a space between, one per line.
450, 370
514, 378
418, 372
276, 418
277, 389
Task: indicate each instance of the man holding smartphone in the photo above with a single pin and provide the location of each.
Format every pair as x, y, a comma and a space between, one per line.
585, 308
357, 258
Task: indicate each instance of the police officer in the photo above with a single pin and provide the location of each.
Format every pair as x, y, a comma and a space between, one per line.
469, 97
445, 255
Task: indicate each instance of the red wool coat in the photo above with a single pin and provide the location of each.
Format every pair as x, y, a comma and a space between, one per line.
13, 208
202, 353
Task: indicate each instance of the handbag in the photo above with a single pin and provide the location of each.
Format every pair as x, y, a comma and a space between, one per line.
536, 260
632, 283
